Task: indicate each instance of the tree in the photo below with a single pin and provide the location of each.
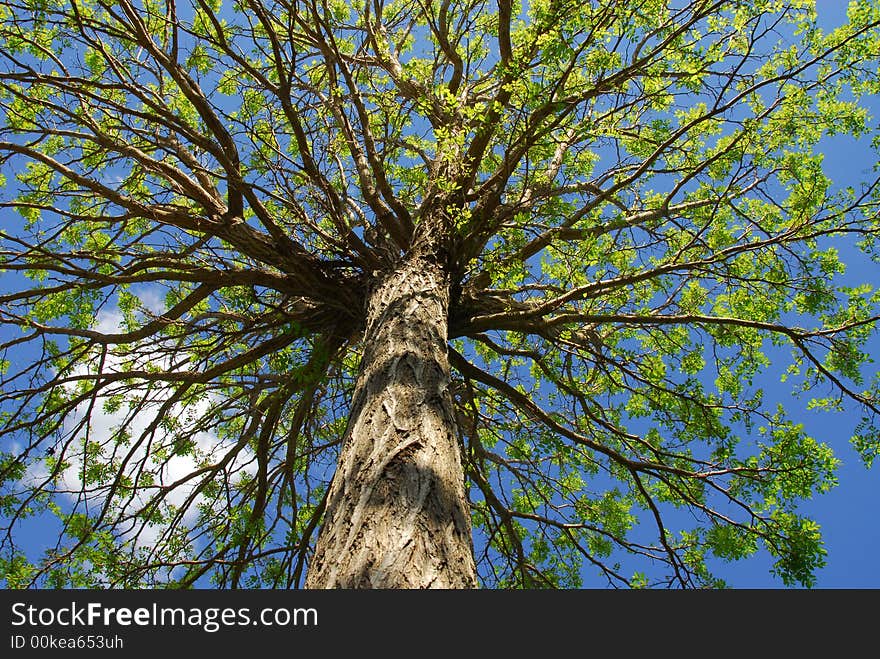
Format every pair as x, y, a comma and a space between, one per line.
428, 294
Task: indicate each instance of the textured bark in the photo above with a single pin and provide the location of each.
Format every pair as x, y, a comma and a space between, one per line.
396, 515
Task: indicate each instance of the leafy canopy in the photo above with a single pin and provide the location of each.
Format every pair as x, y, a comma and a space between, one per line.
646, 253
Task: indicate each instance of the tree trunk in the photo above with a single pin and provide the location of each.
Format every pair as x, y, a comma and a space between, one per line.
397, 516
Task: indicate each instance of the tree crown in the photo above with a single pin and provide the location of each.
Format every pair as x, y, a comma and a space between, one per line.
629, 202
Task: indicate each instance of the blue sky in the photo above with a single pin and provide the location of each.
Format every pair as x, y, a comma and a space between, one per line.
848, 514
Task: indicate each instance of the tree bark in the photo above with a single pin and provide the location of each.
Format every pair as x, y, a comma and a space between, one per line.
397, 516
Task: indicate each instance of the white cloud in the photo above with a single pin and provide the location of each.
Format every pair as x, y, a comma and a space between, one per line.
152, 298
102, 426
